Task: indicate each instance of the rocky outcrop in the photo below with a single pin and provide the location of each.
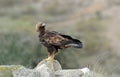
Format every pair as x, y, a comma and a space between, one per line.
43, 69
7, 70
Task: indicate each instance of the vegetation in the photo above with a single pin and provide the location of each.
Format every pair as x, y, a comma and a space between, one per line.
19, 42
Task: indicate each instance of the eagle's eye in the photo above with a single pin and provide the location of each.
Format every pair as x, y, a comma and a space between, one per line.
43, 24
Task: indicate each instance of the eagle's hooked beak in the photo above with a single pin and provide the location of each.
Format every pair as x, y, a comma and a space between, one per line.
37, 27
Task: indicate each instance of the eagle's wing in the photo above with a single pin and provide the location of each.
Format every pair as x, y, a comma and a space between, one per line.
55, 38
58, 39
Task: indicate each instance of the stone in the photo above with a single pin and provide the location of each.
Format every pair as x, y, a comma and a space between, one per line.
26, 73
85, 72
45, 71
6, 70
41, 71
54, 66
69, 73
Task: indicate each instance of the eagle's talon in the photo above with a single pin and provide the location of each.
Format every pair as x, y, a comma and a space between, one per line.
50, 58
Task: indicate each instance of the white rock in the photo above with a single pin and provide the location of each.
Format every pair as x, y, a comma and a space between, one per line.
69, 73
41, 71
45, 71
54, 66
86, 72
26, 73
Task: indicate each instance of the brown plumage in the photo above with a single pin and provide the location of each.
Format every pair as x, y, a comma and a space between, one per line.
54, 40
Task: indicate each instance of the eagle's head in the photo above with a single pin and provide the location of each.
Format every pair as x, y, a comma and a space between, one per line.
40, 26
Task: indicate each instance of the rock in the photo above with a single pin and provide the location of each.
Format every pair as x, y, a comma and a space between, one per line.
69, 73
26, 73
54, 66
6, 70
45, 71
85, 72
41, 71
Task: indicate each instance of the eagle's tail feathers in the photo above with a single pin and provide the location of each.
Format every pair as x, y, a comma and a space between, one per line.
75, 45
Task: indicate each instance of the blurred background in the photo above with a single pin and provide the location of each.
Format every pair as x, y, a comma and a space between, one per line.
95, 22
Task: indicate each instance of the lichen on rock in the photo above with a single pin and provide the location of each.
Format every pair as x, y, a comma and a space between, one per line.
6, 70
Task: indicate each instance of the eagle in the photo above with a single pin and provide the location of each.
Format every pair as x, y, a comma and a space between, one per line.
54, 41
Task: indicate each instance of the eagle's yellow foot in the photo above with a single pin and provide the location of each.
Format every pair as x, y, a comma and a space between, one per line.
50, 61
50, 58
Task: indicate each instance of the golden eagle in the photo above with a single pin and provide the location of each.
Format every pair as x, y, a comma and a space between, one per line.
54, 40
